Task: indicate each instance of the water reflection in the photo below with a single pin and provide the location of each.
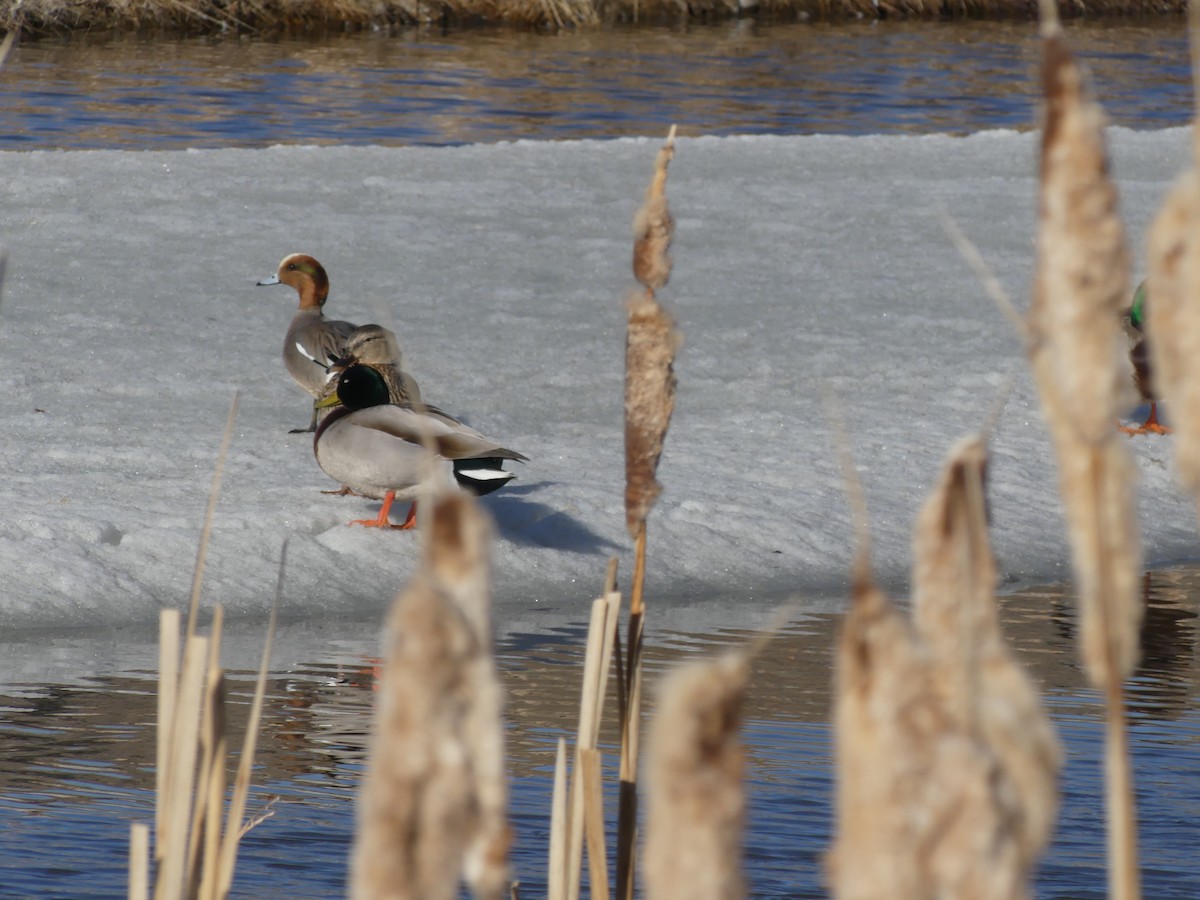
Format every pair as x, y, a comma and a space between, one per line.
76, 762
424, 88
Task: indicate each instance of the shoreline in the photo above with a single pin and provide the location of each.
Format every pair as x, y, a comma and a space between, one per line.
316, 17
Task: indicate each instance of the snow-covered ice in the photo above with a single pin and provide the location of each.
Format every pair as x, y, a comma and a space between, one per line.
803, 265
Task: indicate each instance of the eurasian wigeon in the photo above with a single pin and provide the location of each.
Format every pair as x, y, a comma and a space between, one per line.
312, 341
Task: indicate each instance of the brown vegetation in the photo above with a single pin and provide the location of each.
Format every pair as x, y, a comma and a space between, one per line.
323, 16
432, 808
1173, 280
946, 762
695, 771
1080, 287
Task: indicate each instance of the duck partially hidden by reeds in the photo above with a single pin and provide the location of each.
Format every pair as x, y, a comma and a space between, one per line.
386, 450
1134, 320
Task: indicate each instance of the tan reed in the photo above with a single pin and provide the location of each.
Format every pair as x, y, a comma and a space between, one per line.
432, 806
1173, 315
650, 347
696, 802
556, 877
1080, 288
946, 763
582, 808
1005, 821
195, 846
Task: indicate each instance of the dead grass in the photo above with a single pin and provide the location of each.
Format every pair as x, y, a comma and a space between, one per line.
309, 16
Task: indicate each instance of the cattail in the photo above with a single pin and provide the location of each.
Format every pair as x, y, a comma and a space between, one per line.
649, 402
1173, 313
988, 695
945, 761
887, 725
651, 343
922, 809
696, 802
432, 805
1173, 319
653, 226
1081, 285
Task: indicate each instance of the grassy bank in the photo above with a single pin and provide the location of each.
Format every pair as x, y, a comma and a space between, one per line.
298, 16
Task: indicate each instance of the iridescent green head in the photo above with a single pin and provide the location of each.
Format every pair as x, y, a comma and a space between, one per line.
1137, 312
361, 386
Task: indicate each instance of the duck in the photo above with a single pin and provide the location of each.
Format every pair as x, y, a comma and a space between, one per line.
312, 341
384, 450
1133, 317
376, 346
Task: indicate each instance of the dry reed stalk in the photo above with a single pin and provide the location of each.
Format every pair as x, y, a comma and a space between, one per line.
432, 805
557, 876
183, 750
1081, 285
214, 493
212, 757
987, 695
696, 803
168, 652
220, 876
650, 346
602, 634
139, 861
6, 46
590, 765
193, 861
207, 834
168, 687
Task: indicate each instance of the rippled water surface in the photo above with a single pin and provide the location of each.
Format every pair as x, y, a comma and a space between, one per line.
425, 88
77, 761
77, 755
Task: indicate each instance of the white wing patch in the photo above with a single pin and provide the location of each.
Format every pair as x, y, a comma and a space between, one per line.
486, 474
304, 352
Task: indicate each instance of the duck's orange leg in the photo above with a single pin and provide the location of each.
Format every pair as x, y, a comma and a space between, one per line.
382, 521
1152, 423
1150, 426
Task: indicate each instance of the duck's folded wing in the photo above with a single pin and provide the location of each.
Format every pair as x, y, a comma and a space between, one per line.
450, 438
408, 386
323, 341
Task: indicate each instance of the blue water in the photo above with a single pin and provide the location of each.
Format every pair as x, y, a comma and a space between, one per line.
76, 762
426, 88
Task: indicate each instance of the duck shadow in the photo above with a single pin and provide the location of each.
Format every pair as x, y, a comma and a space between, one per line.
534, 524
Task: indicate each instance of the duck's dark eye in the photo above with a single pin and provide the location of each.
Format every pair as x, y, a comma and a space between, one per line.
292, 267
